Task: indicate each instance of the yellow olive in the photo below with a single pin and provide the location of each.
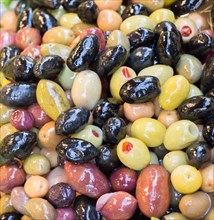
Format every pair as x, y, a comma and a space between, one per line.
6, 204
5, 130
5, 114
162, 14
69, 20
174, 216
207, 178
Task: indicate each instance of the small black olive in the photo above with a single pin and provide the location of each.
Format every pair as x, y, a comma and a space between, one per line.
208, 132
160, 151
175, 197
10, 216
210, 93
21, 6
51, 4
25, 19
71, 5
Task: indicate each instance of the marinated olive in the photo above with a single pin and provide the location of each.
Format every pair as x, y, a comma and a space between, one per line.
10, 216
20, 7
51, 4
208, 132
25, 19
71, 5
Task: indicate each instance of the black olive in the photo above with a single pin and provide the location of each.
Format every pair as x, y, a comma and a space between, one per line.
51, 4
208, 132
19, 68
18, 94
134, 9
72, 120
114, 130
181, 7
76, 150
25, 19
88, 12
21, 6
196, 107
10, 216
168, 48
198, 154
85, 208
48, 67
17, 145
83, 53
175, 197
160, 151
142, 37
61, 195
140, 58
71, 5
200, 45
212, 12
210, 93
6, 53
140, 89
109, 60
43, 21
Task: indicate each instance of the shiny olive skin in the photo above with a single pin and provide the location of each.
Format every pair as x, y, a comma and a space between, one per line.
20, 7
140, 89
51, 4
76, 150
109, 60
196, 107
7, 53
181, 7
18, 94
160, 151
210, 93
43, 21
208, 132
19, 68
25, 19
17, 145
48, 67
107, 160
200, 45
175, 197
141, 37
83, 53
72, 120
140, 58
199, 154
10, 216
85, 208
168, 48
134, 9
71, 5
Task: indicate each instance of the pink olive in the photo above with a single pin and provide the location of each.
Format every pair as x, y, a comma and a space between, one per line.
65, 214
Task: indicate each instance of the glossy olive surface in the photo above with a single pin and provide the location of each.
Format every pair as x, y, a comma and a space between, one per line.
51, 4
208, 132
10, 216
71, 5
20, 7
25, 19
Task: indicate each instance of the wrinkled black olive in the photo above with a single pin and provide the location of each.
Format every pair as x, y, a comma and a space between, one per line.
61, 195
83, 53
104, 110
71, 5
196, 107
88, 12
198, 154
25, 19
142, 37
10, 216
76, 150
18, 94
168, 48
43, 21
6, 53
19, 68
17, 145
85, 208
207, 78
160, 151
181, 7
20, 7
208, 132
114, 130
140, 89
51, 4
134, 9
140, 58
72, 120
109, 60
48, 67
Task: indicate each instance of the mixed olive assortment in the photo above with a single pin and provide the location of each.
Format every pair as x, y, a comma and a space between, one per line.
107, 110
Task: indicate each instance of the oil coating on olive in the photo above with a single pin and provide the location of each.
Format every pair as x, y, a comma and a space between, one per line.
51, 4
71, 5
6, 53
85, 208
20, 7
72, 120
19, 68
208, 132
109, 60
25, 19
10, 216
76, 150
17, 145
140, 89
83, 53
43, 21
18, 94
196, 107
48, 67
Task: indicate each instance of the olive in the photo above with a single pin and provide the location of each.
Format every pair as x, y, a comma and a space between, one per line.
25, 19
72, 120
85, 208
212, 13
43, 21
83, 53
6, 53
140, 89
208, 132
17, 145
210, 93
196, 107
71, 5
160, 151
140, 58
20, 7
141, 37
175, 197
76, 150
10, 216
134, 9
19, 68
51, 4
109, 60
48, 67
199, 154
18, 94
